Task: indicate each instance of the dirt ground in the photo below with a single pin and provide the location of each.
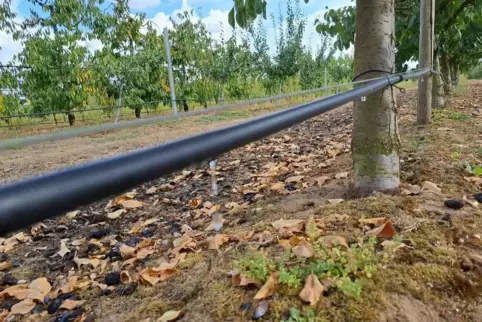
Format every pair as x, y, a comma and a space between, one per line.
282, 215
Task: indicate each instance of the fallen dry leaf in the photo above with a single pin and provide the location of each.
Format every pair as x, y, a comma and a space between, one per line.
341, 175
268, 288
127, 251
430, 186
294, 179
476, 180
215, 241
385, 231
303, 249
63, 249
411, 190
151, 276
182, 241
312, 291
335, 201
286, 223
473, 204
125, 277
151, 190
41, 284
170, 316
116, 214
241, 280
285, 243
71, 304
94, 262
279, 187
378, 221
5, 265
332, 241
131, 204
72, 214
23, 307
321, 180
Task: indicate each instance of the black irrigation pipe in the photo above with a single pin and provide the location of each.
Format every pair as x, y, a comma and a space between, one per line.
32, 200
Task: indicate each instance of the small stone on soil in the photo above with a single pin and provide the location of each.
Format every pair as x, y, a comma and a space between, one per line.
8, 280
99, 234
3, 257
478, 197
245, 307
112, 278
453, 204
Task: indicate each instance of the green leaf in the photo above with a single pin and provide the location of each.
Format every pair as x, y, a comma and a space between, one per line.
231, 20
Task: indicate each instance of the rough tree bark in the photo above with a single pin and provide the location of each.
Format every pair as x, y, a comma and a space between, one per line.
456, 73
137, 111
71, 117
438, 100
424, 108
444, 61
375, 139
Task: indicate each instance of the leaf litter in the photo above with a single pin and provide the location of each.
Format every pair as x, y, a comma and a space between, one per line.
157, 261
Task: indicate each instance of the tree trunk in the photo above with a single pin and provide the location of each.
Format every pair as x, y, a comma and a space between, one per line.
71, 117
55, 119
424, 108
375, 138
137, 111
456, 74
205, 104
437, 86
185, 106
446, 75
222, 94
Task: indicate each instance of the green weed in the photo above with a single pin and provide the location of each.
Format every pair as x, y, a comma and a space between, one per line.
458, 116
343, 267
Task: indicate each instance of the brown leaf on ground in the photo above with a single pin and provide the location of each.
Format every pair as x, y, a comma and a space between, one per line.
63, 249
131, 204
125, 277
279, 188
143, 253
3, 315
286, 223
335, 201
430, 186
151, 190
182, 242
170, 316
94, 262
294, 179
41, 284
295, 240
320, 181
285, 243
385, 231
241, 280
23, 307
71, 304
5, 265
342, 175
373, 221
215, 242
195, 203
18, 291
312, 291
268, 288
116, 214
409, 189
72, 214
475, 180
127, 251
151, 276
332, 241
303, 249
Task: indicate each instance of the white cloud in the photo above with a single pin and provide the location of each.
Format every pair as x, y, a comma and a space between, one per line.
9, 46
143, 4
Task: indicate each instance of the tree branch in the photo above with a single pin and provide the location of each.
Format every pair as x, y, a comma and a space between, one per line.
458, 12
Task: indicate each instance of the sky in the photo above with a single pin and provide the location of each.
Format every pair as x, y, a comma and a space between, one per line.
214, 13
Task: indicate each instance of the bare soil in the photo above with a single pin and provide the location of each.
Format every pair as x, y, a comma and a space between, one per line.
435, 277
